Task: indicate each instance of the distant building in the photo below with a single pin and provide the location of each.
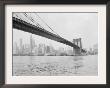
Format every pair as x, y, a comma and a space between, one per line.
95, 49
69, 51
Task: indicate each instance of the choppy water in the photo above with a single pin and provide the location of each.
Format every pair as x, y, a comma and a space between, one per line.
55, 65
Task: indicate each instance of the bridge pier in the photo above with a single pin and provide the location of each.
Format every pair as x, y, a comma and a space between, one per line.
77, 51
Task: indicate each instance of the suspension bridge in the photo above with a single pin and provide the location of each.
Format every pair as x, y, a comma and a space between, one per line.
28, 22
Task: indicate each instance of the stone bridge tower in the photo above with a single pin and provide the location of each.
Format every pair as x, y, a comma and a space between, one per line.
78, 42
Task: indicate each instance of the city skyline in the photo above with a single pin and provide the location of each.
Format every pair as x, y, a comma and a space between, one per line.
34, 48
42, 49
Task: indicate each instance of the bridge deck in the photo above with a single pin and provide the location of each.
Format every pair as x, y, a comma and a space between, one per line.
27, 27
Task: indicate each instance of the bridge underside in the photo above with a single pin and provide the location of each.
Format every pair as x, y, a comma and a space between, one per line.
24, 26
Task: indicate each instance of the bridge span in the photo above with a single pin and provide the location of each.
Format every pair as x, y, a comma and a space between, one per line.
27, 27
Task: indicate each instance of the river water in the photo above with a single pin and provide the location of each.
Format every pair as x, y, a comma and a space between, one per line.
55, 65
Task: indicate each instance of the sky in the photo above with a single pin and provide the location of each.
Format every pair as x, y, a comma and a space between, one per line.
68, 25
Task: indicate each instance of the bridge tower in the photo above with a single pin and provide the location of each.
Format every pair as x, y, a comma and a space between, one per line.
78, 42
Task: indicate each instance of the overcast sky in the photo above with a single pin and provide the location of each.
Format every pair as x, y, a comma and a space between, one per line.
68, 25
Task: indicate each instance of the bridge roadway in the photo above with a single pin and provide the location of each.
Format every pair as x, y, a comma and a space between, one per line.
27, 27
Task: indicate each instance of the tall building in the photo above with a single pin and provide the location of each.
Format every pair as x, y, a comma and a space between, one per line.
21, 46
32, 44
